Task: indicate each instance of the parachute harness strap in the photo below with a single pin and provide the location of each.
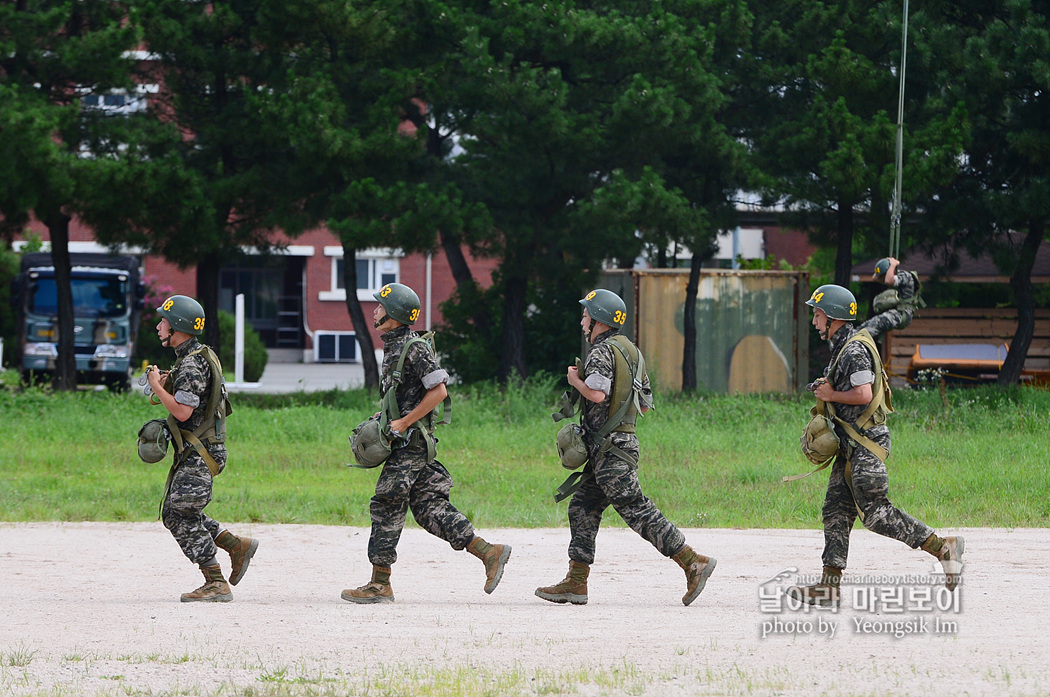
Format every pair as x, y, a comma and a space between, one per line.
895, 214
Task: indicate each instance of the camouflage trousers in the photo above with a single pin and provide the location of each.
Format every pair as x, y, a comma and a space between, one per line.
860, 486
408, 481
189, 491
610, 480
887, 321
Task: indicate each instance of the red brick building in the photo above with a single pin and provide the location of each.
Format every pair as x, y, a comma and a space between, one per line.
294, 298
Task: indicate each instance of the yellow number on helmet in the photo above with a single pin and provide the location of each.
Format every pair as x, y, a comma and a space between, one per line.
168, 303
590, 296
619, 317
412, 315
198, 323
817, 297
385, 292
853, 308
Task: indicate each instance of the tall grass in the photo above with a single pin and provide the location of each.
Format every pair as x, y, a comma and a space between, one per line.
974, 457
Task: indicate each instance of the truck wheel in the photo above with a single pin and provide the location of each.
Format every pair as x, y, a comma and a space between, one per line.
119, 385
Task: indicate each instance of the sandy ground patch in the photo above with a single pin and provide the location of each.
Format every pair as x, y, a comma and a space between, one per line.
93, 608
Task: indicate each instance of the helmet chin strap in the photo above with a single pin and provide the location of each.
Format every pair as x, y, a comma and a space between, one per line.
166, 340
380, 321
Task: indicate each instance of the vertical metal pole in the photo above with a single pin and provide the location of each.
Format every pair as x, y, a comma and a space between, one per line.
430, 276
238, 345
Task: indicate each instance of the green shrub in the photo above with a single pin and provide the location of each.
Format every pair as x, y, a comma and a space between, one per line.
255, 356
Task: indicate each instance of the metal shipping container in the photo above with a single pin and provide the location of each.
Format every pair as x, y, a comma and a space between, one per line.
751, 326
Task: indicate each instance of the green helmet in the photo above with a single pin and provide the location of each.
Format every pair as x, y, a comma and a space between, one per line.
882, 266
153, 441
836, 302
370, 446
399, 301
606, 307
184, 314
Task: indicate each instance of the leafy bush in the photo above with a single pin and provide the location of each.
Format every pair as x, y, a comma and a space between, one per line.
255, 356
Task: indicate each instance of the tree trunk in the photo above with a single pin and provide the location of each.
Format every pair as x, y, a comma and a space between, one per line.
65, 377
1021, 282
208, 296
844, 239
689, 326
362, 327
513, 358
465, 282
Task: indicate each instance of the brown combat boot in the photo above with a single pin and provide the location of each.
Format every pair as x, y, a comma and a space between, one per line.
214, 590
698, 569
241, 550
378, 590
494, 557
823, 594
948, 551
572, 589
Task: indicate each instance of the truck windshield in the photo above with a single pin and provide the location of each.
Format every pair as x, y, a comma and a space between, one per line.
99, 296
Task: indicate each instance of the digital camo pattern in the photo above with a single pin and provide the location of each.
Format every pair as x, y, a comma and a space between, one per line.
419, 363
905, 283
191, 482
862, 485
859, 480
888, 321
601, 361
855, 358
609, 480
897, 318
408, 481
193, 378
183, 509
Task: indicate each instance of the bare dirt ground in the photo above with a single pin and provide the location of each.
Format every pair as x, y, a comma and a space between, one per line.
93, 608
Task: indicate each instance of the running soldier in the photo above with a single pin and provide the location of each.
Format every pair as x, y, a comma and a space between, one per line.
610, 476
412, 478
856, 394
193, 398
895, 306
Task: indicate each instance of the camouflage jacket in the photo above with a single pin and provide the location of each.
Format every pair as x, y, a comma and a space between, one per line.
598, 371
421, 371
905, 284
855, 367
191, 384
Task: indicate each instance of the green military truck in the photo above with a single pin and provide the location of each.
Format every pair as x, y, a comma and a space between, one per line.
107, 301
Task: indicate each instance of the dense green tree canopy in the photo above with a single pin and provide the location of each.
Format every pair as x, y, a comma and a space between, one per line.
58, 59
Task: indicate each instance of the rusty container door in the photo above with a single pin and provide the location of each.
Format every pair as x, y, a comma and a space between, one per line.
751, 331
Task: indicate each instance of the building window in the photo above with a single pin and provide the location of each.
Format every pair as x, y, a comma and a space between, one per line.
375, 268
118, 101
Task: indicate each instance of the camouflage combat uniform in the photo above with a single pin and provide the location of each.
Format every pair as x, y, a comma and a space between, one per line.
608, 478
896, 318
189, 490
408, 479
859, 481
